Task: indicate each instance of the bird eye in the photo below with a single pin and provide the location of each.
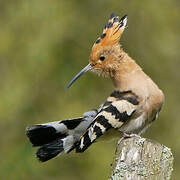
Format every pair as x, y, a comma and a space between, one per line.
102, 58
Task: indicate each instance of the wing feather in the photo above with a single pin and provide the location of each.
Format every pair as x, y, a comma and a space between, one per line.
112, 116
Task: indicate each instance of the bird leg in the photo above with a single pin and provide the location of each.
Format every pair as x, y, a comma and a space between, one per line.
124, 136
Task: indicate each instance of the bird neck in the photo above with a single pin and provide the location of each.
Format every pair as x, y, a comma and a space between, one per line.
126, 73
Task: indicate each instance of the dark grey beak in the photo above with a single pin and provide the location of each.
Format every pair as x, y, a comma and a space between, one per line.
87, 68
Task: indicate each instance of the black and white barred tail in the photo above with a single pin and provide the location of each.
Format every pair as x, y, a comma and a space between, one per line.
55, 138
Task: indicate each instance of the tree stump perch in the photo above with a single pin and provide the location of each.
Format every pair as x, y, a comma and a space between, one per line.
140, 158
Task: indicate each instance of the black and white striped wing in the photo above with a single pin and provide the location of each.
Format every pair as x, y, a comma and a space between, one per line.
114, 115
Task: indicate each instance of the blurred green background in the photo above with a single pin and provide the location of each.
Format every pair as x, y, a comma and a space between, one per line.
45, 43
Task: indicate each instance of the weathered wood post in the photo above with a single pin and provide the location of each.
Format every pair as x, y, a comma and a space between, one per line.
140, 158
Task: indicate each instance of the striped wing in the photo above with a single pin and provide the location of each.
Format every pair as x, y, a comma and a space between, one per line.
114, 114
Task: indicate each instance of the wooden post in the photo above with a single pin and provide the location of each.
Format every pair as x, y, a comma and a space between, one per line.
140, 158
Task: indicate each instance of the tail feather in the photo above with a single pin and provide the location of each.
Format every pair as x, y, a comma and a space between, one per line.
58, 137
42, 134
49, 151
57, 147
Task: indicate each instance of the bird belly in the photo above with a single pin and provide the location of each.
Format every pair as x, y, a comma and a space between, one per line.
135, 125
111, 134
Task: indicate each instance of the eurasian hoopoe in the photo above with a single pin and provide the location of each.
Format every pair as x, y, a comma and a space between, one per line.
130, 109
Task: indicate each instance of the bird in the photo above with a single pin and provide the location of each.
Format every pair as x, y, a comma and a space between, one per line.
130, 109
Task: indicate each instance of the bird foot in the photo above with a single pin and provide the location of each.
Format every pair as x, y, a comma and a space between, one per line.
125, 135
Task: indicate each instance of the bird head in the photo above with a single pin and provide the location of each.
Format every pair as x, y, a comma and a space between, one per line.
106, 49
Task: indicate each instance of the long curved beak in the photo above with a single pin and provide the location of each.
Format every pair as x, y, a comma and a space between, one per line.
87, 68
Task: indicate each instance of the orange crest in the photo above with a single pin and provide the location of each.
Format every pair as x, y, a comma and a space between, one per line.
112, 31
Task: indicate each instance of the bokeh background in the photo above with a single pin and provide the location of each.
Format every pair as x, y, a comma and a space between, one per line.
43, 44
